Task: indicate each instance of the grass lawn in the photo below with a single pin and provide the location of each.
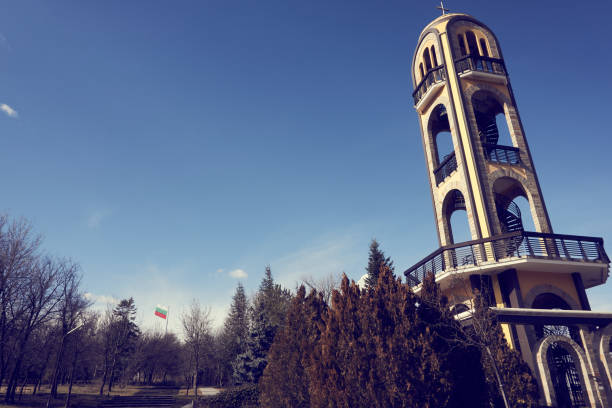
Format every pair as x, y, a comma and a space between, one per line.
86, 395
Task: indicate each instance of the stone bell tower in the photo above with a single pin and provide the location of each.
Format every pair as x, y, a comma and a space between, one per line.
479, 163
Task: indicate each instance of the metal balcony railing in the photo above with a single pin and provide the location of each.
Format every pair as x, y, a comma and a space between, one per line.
520, 244
479, 63
448, 165
501, 154
433, 76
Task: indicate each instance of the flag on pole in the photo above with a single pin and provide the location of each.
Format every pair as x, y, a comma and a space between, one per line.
161, 311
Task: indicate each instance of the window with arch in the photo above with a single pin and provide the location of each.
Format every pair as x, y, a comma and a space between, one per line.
433, 56
443, 148
456, 220
565, 377
421, 70
513, 207
483, 47
493, 129
461, 41
427, 59
470, 38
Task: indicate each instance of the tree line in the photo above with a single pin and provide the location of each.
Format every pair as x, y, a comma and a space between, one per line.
337, 344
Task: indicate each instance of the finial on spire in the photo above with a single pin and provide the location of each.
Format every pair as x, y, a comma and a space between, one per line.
441, 7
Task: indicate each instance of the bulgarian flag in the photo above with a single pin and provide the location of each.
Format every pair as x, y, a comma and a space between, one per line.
161, 311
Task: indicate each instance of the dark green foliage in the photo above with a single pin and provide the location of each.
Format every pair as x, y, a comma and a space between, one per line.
376, 261
267, 314
245, 396
233, 338
286, 380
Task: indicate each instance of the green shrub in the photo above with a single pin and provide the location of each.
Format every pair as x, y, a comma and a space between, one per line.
244, 396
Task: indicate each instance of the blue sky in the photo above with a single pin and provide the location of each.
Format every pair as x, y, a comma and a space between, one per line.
174, 148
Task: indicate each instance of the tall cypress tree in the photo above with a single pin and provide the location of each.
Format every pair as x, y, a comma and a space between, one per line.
286, 379
376, 261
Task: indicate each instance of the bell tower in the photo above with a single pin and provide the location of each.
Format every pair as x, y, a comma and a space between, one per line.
470, 102
479, 163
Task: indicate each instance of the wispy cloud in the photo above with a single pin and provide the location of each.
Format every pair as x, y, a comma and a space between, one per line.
101, 300
4, 42
328, 256
10, 112
95, 218
238, 274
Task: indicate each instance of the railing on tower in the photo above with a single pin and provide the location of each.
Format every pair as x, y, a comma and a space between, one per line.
448, 165
501, 154
479, 63
433, 76
519, 244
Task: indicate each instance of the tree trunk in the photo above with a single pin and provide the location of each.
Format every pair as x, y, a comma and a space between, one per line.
60, 352
499, 381
112, 374
74, 360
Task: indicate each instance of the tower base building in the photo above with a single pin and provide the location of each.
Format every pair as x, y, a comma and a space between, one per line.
480, 166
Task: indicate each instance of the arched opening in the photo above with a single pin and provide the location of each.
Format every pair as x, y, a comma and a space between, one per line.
483, 47
513, 206
551, 301
433, 56
444, 150
426, 59
471, 41
421, 70
455, 213
493, 129
565, 376
461, 42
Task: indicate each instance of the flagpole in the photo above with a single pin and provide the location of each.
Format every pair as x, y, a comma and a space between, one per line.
167, 316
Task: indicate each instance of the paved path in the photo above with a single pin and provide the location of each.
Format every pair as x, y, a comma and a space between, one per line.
208, 391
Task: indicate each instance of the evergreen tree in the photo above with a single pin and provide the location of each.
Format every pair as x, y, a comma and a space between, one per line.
466, 379
235, 331
286, 379
124, 333
376, 261
267, 315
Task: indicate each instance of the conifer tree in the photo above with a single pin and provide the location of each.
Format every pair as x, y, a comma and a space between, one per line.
267, 315
376, 261
466, 379
235, 330
286, 379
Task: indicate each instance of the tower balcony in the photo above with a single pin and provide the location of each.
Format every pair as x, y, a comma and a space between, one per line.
448, 165
480, 63
501, 154
434, 76
534, 251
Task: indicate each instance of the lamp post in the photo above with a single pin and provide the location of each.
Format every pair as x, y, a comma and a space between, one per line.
57, 360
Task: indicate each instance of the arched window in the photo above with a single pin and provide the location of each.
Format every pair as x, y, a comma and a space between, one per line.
493, 129
422, 72
461, 45
483, 47
513, 207
565, 376
433, 56
471, 41
554, 302
439, 129
455, 214
427, 59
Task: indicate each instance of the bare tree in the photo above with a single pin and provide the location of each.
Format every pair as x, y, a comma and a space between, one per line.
197, 332
18, 251
324, 285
